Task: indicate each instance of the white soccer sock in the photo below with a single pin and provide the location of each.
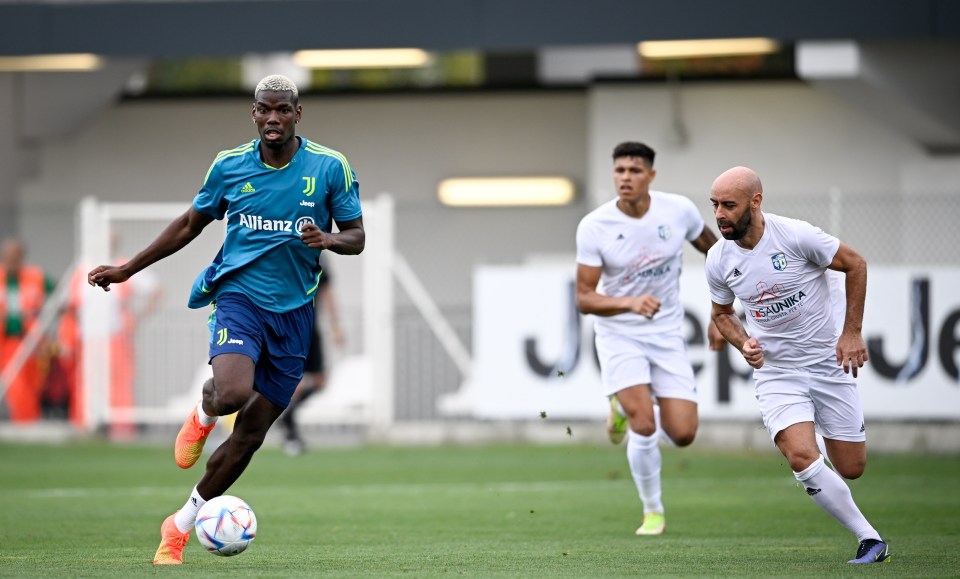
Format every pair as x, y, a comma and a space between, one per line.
643, 454
202, 416
656, 418
187, 515
823, 450
660, 431
828, 490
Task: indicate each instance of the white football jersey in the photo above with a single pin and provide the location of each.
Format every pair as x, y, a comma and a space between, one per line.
640, 256
782, 285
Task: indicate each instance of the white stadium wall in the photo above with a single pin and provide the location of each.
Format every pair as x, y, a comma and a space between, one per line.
798, 139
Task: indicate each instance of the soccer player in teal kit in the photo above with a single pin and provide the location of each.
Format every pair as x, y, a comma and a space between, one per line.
280, 194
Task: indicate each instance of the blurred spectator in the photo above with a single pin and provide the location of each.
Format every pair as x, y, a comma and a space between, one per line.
22, 294
315, 368
127, 304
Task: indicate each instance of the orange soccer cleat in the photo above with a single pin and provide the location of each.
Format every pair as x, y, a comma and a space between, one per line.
190, 441
172, 542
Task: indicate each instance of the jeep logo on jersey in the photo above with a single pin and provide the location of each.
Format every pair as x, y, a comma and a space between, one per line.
779, 261
302, 222
664, 232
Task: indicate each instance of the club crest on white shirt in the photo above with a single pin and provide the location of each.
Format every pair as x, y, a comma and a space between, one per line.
779, 261
664, 232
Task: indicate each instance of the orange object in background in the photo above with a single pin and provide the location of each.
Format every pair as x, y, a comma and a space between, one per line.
23, 290
121, 325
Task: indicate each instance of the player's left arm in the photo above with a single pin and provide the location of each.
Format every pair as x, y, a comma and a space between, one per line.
851, 349
703, 243
705, 240
730, 326
348, 240
343, 201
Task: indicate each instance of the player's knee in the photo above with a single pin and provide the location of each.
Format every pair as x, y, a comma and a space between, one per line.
799, 460
683, 438
229, 403
643, 427
227, 397
851, 471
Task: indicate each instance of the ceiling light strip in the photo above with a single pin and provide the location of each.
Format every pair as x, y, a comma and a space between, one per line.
51, 63
506, 191
366, 58
661, 49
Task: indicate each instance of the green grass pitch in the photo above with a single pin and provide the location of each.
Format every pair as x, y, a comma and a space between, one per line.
566, 510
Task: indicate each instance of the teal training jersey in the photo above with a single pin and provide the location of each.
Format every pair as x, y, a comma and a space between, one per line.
266, 207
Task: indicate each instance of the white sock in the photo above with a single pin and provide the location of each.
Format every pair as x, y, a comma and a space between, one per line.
656, 418
643, 454
187, 515
203, 418
660, 431
823, 450
828, 490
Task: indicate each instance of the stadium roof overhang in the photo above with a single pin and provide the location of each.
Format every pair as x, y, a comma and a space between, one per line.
144, 28
897, 58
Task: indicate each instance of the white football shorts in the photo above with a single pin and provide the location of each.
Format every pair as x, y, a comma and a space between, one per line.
820, 393
659, 360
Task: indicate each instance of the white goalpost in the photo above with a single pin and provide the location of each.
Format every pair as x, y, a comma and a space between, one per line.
170, 347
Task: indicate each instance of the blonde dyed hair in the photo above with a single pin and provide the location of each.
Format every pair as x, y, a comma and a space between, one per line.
277, 83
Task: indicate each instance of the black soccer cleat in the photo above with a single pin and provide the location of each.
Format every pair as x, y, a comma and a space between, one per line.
872, 551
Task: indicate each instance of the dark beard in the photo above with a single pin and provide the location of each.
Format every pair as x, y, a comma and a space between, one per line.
739, 228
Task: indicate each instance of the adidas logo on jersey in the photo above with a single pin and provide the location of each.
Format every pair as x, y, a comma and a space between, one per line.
619, 237
248, 188
736, 272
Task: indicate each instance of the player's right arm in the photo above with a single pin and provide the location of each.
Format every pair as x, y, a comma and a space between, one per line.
172, 239
591, 302
726, 320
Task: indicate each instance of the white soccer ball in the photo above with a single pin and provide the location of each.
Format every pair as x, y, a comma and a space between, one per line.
226, 526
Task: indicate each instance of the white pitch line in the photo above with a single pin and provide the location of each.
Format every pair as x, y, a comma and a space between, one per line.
380, 489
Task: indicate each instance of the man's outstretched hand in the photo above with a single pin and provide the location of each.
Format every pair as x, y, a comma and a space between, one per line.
104, 275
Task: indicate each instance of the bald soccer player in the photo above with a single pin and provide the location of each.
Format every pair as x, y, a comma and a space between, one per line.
805, 361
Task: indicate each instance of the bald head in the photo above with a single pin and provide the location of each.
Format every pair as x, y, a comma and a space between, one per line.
736, 196
741, 180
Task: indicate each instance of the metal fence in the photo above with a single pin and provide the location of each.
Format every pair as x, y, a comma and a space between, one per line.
886, 228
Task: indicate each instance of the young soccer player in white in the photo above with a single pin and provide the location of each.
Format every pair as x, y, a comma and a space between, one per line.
632, 246
803, 361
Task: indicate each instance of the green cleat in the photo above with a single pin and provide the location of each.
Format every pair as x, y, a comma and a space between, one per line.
616, 423
653, 524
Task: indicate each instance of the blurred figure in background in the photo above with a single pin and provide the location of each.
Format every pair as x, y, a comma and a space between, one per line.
132, 303
629, 257
23, 291
314, 371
